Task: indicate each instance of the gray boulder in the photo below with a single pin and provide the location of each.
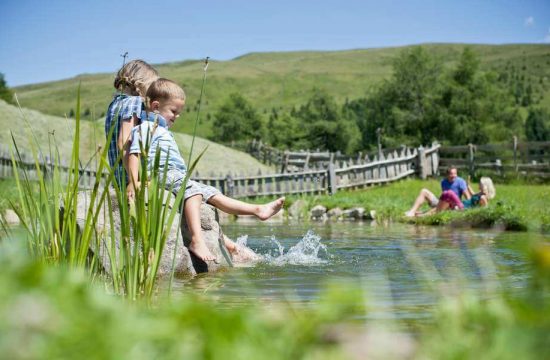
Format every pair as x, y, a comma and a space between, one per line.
354, 213
335, 213
185, 264
318, 212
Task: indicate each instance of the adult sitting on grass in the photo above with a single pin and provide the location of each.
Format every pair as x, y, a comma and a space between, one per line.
452, 183
450, 201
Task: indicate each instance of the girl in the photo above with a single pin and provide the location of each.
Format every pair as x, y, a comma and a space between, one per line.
124, 112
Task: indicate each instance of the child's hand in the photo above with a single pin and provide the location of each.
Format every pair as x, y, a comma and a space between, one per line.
131, 190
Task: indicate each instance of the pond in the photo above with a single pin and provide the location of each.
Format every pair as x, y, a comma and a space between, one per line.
403, 269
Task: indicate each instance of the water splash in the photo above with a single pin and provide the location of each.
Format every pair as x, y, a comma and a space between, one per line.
242, 240
307, 251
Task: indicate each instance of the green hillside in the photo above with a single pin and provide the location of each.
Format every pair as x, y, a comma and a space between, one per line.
285, 79
47, 129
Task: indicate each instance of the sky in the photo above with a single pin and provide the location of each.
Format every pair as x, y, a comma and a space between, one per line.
57, 39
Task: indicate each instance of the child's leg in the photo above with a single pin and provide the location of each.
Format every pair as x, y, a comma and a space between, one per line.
192, 211
236, 207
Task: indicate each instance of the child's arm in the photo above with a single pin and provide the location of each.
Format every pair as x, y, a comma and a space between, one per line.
133, 153
123, 141
133, 171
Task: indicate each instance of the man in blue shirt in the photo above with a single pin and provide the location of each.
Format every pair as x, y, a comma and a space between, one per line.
451, 182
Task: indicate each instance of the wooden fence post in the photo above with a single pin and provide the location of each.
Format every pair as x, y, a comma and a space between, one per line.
228, 186
516, 153
421, 163
471, 160
331, 176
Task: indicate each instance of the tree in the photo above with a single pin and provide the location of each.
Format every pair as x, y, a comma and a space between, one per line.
236, 120
325, 128
5, 93
537, 125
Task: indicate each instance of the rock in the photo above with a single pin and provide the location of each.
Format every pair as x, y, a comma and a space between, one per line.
184, 262
297, 209
335, 213
370, 215
214, 238
11, 218
354, 213
318, 212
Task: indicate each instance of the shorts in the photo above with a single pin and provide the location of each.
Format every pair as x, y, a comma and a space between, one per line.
433, 200
174, 181
452, 199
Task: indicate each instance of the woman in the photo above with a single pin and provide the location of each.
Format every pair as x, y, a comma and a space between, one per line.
450, 201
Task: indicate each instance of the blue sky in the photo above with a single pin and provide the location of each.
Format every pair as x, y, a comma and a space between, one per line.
51, 40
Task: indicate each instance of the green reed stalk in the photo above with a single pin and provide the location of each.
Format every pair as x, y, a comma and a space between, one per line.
60, 238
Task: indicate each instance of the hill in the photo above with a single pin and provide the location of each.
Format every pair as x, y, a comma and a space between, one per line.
49, 129
284, 79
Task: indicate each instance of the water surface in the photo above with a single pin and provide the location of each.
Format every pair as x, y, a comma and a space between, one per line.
403, 269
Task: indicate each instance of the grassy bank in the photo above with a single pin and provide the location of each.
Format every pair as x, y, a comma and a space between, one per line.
516, 206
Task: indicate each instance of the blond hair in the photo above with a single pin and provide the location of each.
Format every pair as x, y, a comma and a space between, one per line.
487, 187
164, 89
135, 77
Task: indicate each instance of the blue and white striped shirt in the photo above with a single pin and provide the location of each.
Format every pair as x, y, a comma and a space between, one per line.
122, 108
154, 133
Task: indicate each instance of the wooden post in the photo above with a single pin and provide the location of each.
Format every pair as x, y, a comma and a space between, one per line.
516, 153
331, 176
378, 140
228, 188
471, 160
421, 163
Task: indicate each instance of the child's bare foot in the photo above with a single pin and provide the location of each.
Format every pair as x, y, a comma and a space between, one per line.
268, 210
200, 250
230, 245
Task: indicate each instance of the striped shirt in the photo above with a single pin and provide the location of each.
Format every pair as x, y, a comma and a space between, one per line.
122, 108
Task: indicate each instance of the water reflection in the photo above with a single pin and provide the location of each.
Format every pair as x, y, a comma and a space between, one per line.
403, 268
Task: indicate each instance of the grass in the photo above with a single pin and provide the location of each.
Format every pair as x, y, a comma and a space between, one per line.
516, 206
282, 79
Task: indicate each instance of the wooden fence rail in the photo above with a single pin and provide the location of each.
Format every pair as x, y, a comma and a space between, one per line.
388, 167
514, 158
296, 161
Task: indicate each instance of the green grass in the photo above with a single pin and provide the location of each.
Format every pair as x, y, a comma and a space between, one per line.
516, 206
281, 79
55, 313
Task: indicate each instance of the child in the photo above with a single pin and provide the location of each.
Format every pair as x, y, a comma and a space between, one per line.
166, 99
124, 112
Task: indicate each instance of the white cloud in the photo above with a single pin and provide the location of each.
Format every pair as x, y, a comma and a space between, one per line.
530, 21
547, 37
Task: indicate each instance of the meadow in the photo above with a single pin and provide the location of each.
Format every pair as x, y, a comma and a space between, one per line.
283, 80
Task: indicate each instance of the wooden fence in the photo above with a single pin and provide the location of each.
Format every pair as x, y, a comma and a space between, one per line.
302, 160
384, 169
357, 173
514, 158
47, 165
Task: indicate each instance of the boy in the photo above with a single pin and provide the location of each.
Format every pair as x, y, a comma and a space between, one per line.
166, 100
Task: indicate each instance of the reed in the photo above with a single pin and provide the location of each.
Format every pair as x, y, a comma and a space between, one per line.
48, 209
